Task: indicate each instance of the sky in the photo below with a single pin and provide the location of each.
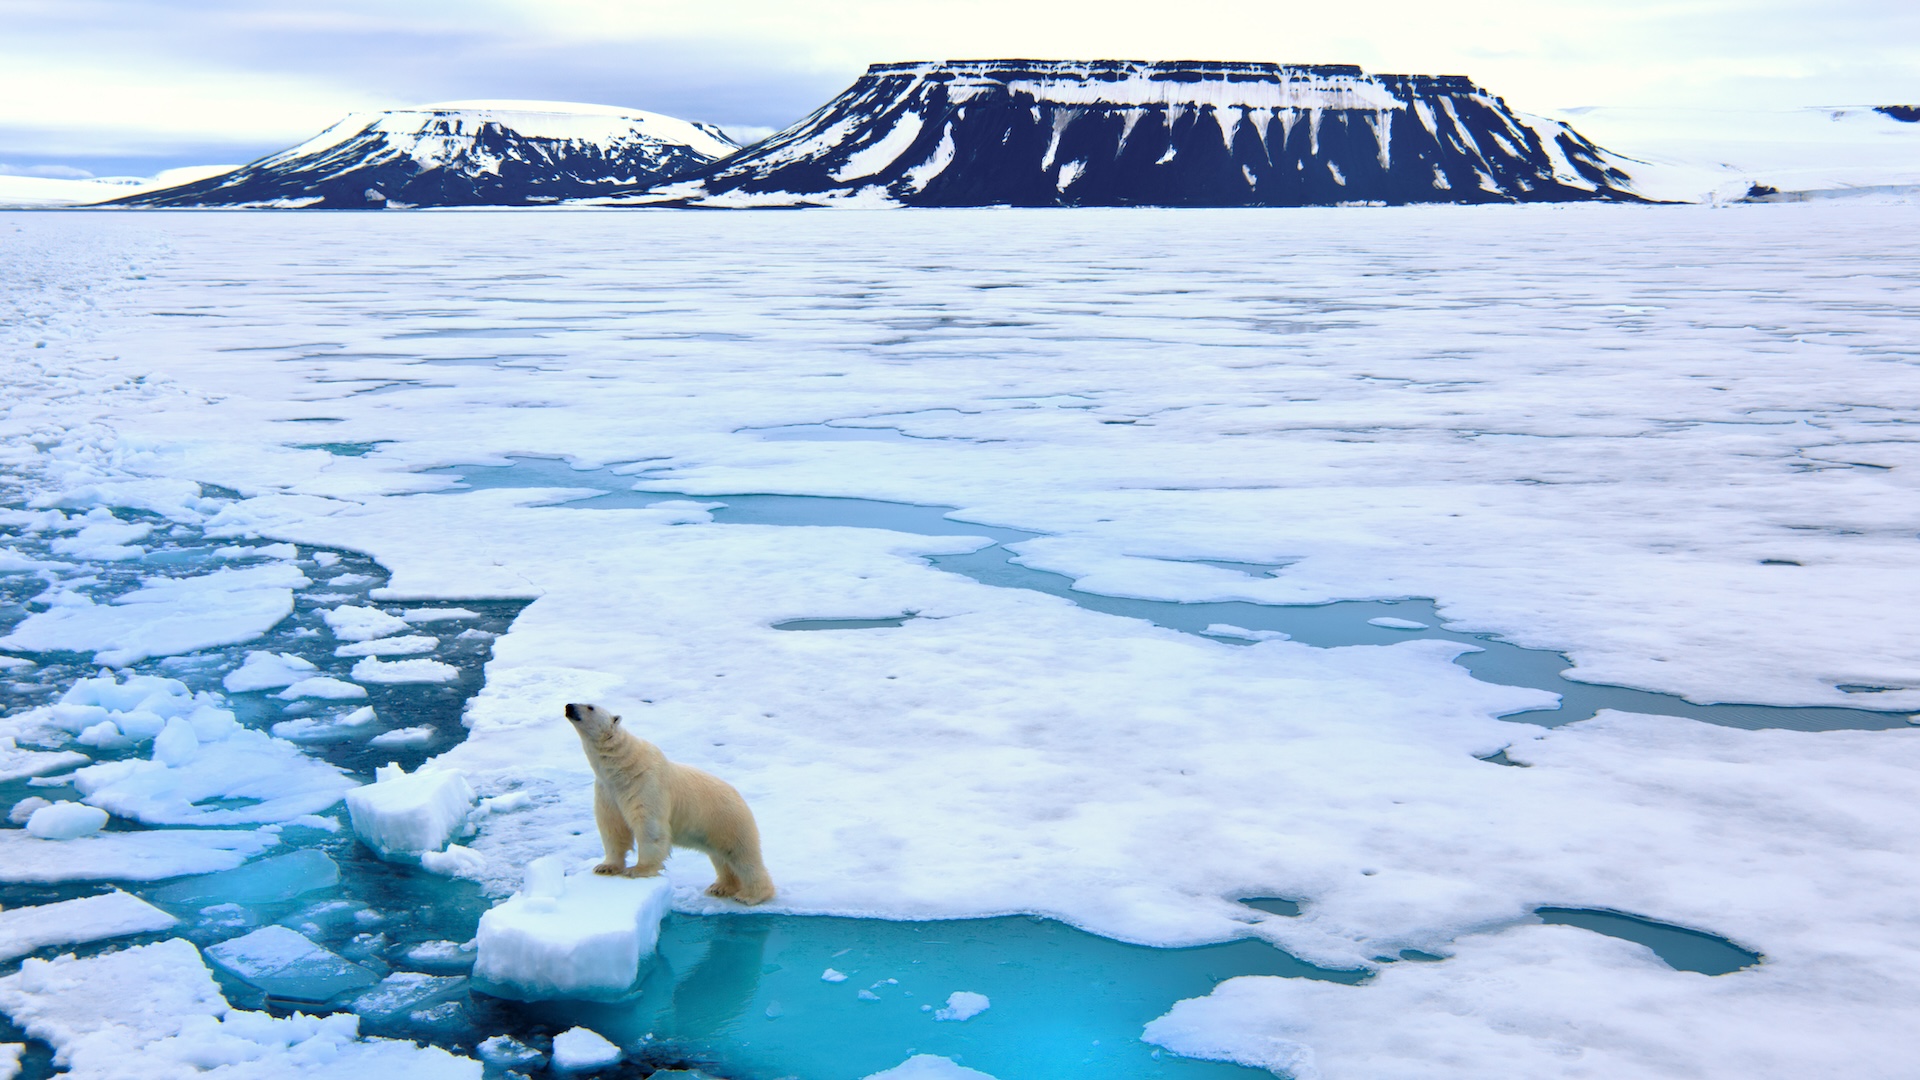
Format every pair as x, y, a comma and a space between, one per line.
134, 86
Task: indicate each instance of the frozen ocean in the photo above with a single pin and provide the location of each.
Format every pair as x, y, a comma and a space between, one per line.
1340, 644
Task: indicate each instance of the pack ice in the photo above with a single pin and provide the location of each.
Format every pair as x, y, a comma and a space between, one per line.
403, 813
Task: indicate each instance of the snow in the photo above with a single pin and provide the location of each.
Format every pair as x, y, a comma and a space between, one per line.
10, 1052
963, 1005
325, 687
16, 763
309, 729
408, 645
166, 617
66, 821
577, 935
241, 764
39, 191
73, 922
129, 856
1605, 430
168, 1021
406, 736
578, 1048
929, 1067
403, 812
881, 152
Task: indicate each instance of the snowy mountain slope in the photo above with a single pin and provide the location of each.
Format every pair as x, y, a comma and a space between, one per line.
1184, 133
17, 192
1721, 155
463, 153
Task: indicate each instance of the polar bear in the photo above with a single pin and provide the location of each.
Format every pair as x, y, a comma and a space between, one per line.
640, 799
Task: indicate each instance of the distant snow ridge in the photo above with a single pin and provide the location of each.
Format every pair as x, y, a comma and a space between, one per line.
463, 153
1132, 133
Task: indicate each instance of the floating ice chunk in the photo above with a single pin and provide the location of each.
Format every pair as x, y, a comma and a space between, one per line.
441, 955
420, 615
105, 735
578, 1048
168, 1021
71, 922
402, 813
262, 551
285, 964
502, 804
282, 877
16, 763
323, 686
352, 623
129, 856
507, 1052
24, 809
176, 744
456, 861
405, 645
404, 992
406, 736
326, 728
372, 670
104, 537
265, 670
963, 1005
867, 995
166, 617
10, 1059
1392, 623
833, 976
1232, 631
66, 821
929, 1067
585, 936
283, 783
326, 558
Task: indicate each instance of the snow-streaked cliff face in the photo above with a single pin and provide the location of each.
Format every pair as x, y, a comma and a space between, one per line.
465, 153
1186, 133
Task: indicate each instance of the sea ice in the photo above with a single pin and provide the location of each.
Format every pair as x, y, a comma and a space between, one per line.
578, 1048
278, 781
281, 877
372, 670
354, 623
405, 645
929, 1067
1392, 623
165, 617
168, 1021
23, 810
456, 861
404, 992
265, 670
73, 922
577, 935
406, 736
832, 976
127, 856
507, 1052
16, 763
323, 686
963, 1005
307, 729
285, 964
10, 1059
66, 821
410, 813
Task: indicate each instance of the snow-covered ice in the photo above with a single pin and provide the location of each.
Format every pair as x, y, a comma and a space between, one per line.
354, 623
929, 1067
73, 922
408, 813
165, 1019
571, 935
1666, 441
963, 1005
66, 821
166, 617
373, 670
267, 670
579, 1048
127, 856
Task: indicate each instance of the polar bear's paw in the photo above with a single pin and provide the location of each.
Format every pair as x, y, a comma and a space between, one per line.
610, 868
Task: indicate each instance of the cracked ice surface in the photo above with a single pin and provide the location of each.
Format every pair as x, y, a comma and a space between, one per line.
1675, 443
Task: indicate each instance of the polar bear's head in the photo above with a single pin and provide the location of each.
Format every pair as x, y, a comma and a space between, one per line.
591, 721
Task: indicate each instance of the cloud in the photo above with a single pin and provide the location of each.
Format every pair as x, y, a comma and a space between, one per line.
154, 76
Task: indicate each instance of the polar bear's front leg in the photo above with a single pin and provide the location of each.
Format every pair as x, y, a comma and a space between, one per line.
614, 834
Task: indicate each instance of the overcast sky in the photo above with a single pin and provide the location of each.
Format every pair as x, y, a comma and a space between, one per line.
137, 85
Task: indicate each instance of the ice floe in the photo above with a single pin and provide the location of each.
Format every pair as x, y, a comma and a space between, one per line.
579, 1048
410, 813
73, 922
128, 856
165, 617
570, 935
65, 821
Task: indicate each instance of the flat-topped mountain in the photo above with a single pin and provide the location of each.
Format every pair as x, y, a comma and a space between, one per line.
1134, 133
463, 153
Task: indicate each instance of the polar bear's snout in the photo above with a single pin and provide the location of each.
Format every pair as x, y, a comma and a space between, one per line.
574, 712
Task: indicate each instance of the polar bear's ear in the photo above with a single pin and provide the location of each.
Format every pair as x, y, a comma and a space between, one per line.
616, 720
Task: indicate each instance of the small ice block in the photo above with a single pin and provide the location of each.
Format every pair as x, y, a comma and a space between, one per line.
282, 877
286, 965
405, 992
410, 813
585, 938
580, 1048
